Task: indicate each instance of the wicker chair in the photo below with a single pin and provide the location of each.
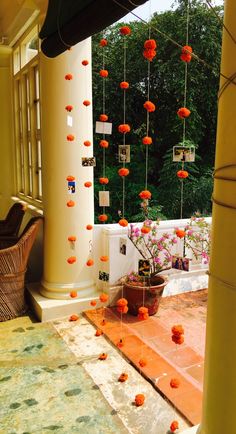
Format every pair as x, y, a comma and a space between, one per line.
11, 225
13, 262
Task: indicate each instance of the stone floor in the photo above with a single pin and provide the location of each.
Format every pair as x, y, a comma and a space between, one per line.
151, 340
52, 380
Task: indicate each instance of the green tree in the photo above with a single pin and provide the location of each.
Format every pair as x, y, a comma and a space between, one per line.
167, 92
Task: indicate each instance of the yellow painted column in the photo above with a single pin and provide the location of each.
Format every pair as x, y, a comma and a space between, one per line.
219, 402
63, 158
7, 185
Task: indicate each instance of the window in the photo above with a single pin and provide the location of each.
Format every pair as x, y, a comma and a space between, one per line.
27, 118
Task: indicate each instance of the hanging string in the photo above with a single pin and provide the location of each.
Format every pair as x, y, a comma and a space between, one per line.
169, 38
124, 119
185, 103
220, 20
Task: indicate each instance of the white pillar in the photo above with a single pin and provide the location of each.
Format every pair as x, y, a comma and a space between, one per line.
62, 158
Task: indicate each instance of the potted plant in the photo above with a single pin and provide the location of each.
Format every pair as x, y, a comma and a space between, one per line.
145, 288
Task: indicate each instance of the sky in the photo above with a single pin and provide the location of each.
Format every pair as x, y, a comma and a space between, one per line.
157, 6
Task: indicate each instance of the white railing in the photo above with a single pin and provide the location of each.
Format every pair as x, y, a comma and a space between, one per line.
108, 241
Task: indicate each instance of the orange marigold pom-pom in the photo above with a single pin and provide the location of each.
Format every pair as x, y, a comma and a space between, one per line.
149, 54
178, 339
143, 313
187, 49
174, 383
93, 302
182, 174
104, 143
89, 262
124, 85
149, 106
186, 57
147, 140
180, 233
123, 222
70, 203
86, 102
145, 229
120, 344
88, 184
103, 73
103, 180
103, 118
177, 330
104, 258
103, 356
69, 108
87, 143
122, 302
103, 297
73, 294
85, 62
72, 238
139, 399
183, 113
125, 30
123, 377
124, 128
74, 317
142, 362
122, 309
71, 260
123, 171
70, 137
103, 43
70, 178
89, 227
99, 332
145, 194
102, 217
68, 76
174, 426
150, 44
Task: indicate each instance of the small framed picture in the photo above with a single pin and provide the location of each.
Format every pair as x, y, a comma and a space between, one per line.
69, 121
180, 263
184, 154
103, 127
104, 198
144, 268
123, 242
103, 276
86, 162
71, 187
124, 153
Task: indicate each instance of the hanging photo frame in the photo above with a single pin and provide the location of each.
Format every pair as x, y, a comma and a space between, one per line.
144, 268
71, 187
104, 198
184, 154
124, 154
88, 161
180, 263
103, 127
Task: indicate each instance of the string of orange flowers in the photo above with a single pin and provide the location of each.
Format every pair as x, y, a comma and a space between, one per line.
124, 128
104, 144
183, 112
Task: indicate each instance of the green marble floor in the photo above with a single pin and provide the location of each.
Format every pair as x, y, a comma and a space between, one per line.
43, 387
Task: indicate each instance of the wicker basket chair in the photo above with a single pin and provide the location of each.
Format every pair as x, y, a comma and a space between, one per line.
13, 262
11, 224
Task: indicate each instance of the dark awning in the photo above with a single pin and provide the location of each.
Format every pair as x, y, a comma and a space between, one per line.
70, 21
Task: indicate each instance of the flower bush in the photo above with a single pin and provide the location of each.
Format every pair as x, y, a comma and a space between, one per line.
152, 247
198, 238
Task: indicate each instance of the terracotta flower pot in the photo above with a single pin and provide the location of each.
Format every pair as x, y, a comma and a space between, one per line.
148, 296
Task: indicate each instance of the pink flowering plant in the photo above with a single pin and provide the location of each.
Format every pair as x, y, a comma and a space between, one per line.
198, 238
152, 247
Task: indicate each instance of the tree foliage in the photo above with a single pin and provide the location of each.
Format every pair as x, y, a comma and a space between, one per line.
167, 93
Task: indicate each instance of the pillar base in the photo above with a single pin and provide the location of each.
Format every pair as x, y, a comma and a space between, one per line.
61, 291
50, 309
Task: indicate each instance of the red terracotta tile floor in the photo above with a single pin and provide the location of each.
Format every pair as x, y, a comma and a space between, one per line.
151, 340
